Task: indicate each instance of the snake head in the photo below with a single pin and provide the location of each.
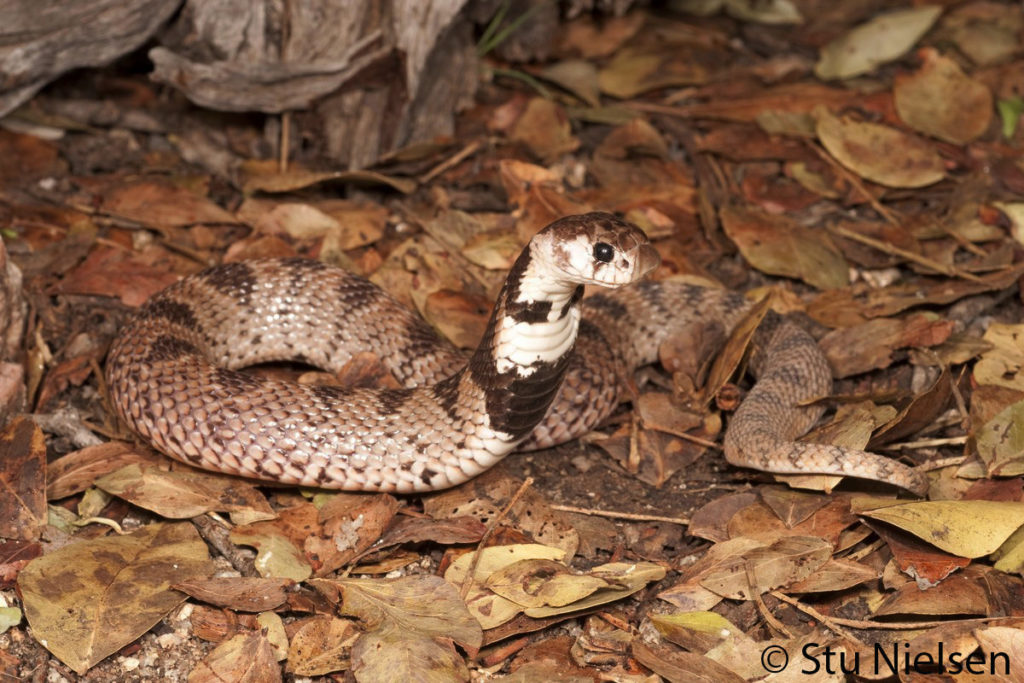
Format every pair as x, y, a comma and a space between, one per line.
597, 248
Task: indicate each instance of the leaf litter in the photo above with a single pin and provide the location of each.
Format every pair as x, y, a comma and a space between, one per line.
874, 193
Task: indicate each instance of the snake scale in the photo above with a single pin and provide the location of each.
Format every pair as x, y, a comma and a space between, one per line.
547, 370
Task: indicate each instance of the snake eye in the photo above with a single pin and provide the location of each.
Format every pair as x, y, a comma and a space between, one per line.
604, 252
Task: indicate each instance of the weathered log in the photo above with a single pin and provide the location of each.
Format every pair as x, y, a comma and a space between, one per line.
41, 39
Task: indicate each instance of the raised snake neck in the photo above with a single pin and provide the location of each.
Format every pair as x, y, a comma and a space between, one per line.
172, 377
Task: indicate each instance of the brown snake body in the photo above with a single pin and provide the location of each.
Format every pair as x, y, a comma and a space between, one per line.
172, 372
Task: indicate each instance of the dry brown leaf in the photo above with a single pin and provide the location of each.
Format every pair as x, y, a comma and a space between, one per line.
242, 593
36, 157
411, 626
834, 575
922, 562
23, 512
827, 523
1003, 364
792, 507
538, 194
683, 666
957, 595
265, 176
660, 412
922, 410
578, 76
351, 523
462, 318
417, 268
159, 203
1003, 644
652, 456
857, 303
488, 608
321, 645
767, 567
622, 579
791, 98
456, 530
778, 246
593, 36
493, 250
879, 153
635, 170
872, 345
696, 631
711, 520
641, 68
132, 277
91, 598
545, 129
735, 350
14, 556
182, 494
987, 32
940, 100
342, 224
1000, 442
244, 658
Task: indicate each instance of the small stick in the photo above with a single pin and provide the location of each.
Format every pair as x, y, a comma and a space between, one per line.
471, 572
952, 271
855, 181
633, 517
866, 625
456, 158
925, 443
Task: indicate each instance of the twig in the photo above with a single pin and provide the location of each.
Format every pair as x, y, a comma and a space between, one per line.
925, 443
471, 572
633, 461
467, 151
944, 462
830, 623
851, 178
770, 619
950, 270
686, 437
613, 514
867, 550
867, 625
214, 531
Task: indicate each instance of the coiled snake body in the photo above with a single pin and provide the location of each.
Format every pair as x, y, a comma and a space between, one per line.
540, 376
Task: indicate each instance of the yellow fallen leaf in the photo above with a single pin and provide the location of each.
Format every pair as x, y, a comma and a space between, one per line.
967, 528
487, 607
625, 578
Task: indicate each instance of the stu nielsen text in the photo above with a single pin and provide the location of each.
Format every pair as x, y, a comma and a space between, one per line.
897, 659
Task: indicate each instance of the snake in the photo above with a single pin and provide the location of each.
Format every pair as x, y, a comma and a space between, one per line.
550, 367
